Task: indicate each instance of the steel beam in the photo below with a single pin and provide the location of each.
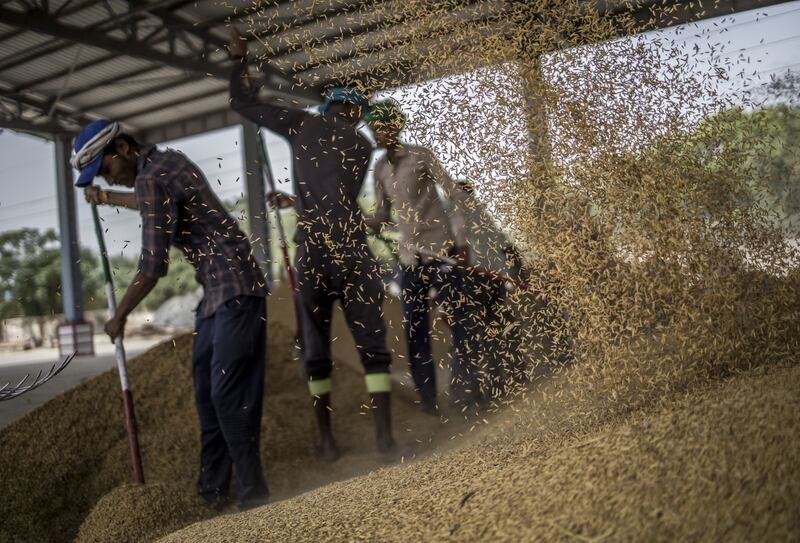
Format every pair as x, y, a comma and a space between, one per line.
43, 130
39, 22
100, 26
76, 91
176, 82
72, 294
43, 106
169, 105
198, 124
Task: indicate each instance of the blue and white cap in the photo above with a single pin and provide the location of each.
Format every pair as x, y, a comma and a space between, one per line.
87, 153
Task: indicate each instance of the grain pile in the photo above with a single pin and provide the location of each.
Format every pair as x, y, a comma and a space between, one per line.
659, 276
57, 462
148, 511
717, 464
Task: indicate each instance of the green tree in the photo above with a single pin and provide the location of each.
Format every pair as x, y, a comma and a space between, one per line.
30, 275
769, 140
178, 281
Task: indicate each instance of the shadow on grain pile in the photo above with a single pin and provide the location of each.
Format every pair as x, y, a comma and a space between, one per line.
60, 460
717, 463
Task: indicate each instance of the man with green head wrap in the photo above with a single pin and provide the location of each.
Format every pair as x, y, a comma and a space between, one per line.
332, 260
408, 178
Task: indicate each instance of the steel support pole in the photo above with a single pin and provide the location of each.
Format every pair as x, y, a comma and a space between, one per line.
256, 200
72, 293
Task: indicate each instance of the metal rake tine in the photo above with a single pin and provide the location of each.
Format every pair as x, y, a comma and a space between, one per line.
37, 381
19, 389
65, 363
21, 382
15, 391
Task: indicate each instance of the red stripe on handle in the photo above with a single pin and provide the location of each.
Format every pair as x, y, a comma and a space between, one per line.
133, 440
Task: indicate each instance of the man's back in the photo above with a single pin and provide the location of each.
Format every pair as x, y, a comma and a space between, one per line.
178, 207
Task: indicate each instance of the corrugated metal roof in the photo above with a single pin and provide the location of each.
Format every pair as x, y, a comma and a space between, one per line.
180, 95
56, 61
22, 43
95, 13
136, 56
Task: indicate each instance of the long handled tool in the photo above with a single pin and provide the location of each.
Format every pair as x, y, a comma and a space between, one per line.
285, 250
278, 221
119, 349
8, 392
474, 270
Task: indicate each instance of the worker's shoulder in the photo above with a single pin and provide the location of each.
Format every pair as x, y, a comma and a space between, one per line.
162, 165
156, 159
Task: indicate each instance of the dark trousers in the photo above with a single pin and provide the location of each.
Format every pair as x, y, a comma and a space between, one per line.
228, 370
416, 282
351, 276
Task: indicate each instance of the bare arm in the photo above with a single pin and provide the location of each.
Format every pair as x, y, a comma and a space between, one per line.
98, 196
139, 288
121, 199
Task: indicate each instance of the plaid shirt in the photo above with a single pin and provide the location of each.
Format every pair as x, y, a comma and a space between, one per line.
179, 208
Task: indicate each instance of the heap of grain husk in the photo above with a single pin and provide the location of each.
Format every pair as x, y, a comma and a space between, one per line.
148, 511
717, 464
57, 462
659, 270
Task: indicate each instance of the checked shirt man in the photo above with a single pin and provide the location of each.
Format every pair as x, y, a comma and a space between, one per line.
179, 209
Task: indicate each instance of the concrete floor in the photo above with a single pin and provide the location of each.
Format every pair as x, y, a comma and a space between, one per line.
15, 365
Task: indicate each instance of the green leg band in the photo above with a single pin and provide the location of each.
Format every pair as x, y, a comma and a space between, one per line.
378, 382
319, 387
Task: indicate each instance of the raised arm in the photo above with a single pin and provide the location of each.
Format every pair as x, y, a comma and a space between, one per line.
284, 121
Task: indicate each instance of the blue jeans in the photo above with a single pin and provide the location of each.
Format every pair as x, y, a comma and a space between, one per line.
228, 370
416, 282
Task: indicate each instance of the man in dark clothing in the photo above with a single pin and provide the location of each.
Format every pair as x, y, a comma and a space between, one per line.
332, 261
178, 208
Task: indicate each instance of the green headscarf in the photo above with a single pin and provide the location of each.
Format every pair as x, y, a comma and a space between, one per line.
386, 112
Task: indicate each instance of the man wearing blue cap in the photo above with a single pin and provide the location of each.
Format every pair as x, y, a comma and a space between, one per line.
332, 261
178, 208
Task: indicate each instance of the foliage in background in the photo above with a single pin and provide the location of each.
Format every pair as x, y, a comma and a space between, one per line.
30, 274
769, 138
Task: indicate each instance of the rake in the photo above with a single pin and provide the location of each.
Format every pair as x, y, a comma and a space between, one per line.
119, 349
8, 392
278, 221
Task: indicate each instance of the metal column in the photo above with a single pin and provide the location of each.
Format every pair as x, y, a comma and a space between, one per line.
75, 336
256, 203
67, 220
